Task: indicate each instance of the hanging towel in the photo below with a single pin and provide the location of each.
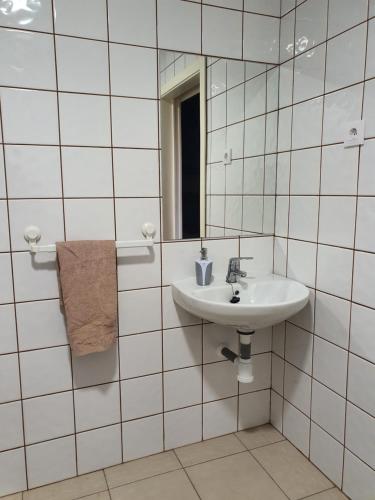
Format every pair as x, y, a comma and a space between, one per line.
88, 294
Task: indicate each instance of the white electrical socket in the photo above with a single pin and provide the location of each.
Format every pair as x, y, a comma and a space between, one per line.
227, 157
355, 133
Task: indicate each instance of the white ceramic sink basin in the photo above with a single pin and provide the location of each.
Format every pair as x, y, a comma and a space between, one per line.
263, 301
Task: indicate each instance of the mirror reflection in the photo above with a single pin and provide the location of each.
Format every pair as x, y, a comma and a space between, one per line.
218, 131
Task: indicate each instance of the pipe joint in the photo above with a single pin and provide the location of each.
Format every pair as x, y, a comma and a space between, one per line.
243, 359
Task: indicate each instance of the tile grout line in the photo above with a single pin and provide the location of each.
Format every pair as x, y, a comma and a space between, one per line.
57, 346
322, 428
185, 407
198, 53
268, 444
208, 4
109, 81
243, 153
64, 218
106, 482
239, 250
328, 39
324, 491
266, 116
275, 206
161, 225
85, 496
187, 475
309, 461
20, 399
182, 467
318, 224
360, 150
289, 201
131, 420
268, 474
322, 384
265, 387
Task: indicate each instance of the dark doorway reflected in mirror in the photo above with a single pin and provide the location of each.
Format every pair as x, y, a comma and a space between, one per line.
190, 166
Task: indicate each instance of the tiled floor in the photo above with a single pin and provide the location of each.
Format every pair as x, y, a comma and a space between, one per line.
256, 464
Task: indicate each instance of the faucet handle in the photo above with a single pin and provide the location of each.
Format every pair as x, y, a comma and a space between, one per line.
234, 263
236, 259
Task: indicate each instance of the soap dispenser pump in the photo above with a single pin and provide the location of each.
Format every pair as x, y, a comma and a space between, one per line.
203, 269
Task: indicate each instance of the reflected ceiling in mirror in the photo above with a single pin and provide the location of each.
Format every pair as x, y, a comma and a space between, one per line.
218, 131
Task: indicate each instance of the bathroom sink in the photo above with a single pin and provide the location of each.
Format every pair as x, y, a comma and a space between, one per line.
263, 302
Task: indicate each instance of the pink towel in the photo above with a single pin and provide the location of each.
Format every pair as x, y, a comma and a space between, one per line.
88, 293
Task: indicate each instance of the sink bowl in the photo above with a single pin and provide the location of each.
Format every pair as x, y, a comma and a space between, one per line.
264, 301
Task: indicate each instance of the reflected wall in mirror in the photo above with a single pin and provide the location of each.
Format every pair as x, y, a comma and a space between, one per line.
183, 143
218, 130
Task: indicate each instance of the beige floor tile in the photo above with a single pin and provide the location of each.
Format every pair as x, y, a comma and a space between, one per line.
69, 489
259, 436
236, 477
171, 486
104, 495
141, 469
333, 494
208, 450
16, 496
291, 470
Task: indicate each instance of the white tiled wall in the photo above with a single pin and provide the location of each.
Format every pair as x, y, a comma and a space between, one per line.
323, 359
79, 126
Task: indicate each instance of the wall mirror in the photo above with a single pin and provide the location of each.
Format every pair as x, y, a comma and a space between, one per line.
218, 131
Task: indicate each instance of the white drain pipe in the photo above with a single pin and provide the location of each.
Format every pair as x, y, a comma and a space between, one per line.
243, 360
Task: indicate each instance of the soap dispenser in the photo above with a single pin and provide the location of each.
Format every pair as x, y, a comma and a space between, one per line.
203, 269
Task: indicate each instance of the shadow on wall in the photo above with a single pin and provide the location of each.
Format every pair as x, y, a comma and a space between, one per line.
97, 368
126, 260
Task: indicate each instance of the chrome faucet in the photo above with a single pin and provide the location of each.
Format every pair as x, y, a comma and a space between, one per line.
234, 270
